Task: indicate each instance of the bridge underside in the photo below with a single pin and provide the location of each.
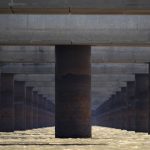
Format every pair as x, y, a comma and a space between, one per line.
34, 81
75, 7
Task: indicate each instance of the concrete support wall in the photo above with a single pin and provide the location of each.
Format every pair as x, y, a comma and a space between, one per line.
73, 86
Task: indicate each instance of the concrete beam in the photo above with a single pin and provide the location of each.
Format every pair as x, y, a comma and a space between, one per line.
46, 54
75, 6
95, 78
35, 77
28, 68
128, 30
120, 54
104, 92
96, 68
93, 84
27, 54
128, 68
50, 90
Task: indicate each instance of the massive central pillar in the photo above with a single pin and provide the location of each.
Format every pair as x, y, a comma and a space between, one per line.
73, 91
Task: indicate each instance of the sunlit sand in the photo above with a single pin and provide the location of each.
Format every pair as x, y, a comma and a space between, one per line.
103, 139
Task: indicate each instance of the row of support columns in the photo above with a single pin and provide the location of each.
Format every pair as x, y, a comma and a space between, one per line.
128, 109
21, 108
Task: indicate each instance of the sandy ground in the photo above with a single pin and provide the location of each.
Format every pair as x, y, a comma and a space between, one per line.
103, 139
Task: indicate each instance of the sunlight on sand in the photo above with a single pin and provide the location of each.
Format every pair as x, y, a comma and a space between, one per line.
103, 139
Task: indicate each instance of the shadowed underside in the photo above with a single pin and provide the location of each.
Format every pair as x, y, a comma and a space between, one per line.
75, 6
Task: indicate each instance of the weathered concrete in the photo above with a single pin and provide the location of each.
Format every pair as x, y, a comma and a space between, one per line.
121, 30
98, 87
99, 54
20, 105
27, 54
7, 103
142, 102
75, 7
40, 111
29, 108
73, 86
112, 68
124, 109
35, 109
131, 87
95, 78
114, 54
94, 84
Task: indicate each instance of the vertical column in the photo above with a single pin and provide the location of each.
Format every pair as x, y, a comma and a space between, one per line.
131, 105
149, 102
142, 102
29, 107
119, 111
47, 117
7, 102
52, 113
124, 108
35, 109
111, 108
20, 105
40, 119
43, 112
113, 104
73, 91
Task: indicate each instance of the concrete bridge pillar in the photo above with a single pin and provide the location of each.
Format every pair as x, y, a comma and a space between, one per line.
124, 108
47, 117
118, 111
97, 116
44, 112
73, 91
142, 102
35, 109
52, 113
149, 103
109, 112
113, 116
131, 105
40, 115
7, 102
29, 107
20, 105
111, 108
